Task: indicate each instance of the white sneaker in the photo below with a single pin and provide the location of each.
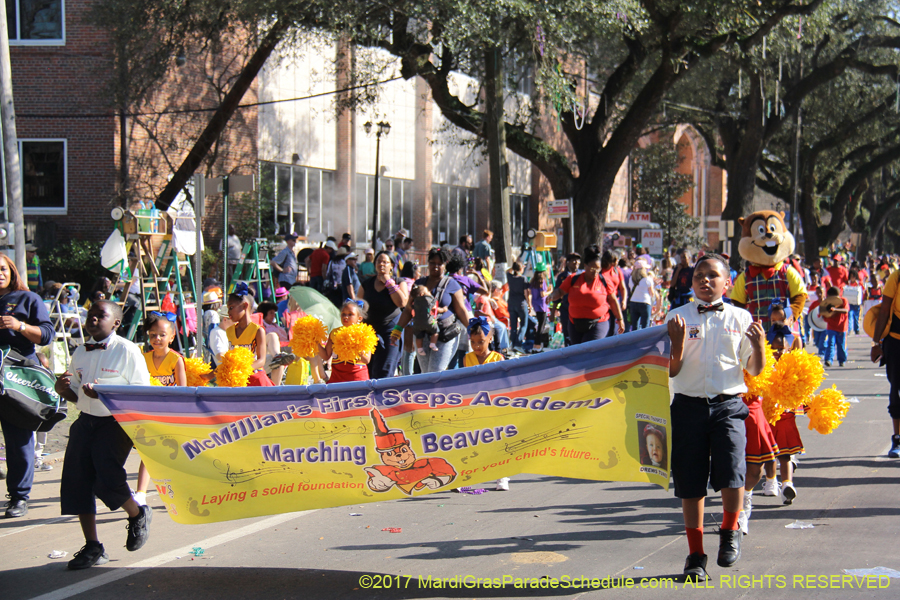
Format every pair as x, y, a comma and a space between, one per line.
502, 485
140, 498
770, 487
744, 516
788, 492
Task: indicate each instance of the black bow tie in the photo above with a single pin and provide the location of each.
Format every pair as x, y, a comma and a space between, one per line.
717, 307
90, 347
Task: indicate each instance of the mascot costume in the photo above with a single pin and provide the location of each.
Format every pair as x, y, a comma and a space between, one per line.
766, 245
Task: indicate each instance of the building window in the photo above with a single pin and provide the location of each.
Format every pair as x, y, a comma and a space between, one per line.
302, 197
453, 213
519, 213
43, 176
36, 22
395, 207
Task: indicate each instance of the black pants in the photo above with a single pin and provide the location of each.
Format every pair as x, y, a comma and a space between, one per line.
598, 331
891, 349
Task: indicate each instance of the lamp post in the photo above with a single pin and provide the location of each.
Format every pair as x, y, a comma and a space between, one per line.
383, 128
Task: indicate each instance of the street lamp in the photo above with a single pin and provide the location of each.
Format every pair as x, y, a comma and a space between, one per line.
383, 128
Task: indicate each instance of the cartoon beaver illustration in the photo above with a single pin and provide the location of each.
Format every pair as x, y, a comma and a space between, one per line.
401, 467
766, 245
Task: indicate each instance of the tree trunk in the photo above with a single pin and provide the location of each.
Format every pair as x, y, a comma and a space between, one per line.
495, 126
223, 114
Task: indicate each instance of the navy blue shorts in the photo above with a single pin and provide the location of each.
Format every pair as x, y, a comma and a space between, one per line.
708, 443
95, 466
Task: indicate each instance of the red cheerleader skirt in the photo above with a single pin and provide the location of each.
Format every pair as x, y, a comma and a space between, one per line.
761, 443
341, 371
787, 435
260, 379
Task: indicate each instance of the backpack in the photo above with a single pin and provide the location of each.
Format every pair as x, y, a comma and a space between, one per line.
424, 319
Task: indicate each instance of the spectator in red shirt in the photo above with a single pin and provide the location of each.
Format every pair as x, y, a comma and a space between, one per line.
317, 262
838, 273
613, 275
836, 334
592, 298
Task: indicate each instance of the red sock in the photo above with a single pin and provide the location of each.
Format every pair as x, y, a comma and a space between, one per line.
729, 520
695, 539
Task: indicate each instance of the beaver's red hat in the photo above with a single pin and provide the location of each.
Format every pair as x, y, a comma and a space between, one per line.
386, 439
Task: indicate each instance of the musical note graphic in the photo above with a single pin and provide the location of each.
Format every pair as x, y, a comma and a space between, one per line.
349, 475
561, 432
330, 431
455, 420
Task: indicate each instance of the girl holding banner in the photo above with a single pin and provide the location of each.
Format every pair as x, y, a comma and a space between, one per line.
24, 322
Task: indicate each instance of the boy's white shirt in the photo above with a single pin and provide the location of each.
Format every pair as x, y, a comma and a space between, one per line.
122, 363
716, 351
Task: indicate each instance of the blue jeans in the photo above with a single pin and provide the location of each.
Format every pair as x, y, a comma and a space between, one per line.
386, 357
437, 361
839, 339
501, 335
640, 315
19, 460
854, 319
518, 323
597, 332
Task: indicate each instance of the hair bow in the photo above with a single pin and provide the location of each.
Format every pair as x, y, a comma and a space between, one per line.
782, 330
479, 322
241, 290
164, 315
360, 304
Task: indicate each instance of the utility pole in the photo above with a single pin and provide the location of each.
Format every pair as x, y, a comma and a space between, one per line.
13, 172
496, 144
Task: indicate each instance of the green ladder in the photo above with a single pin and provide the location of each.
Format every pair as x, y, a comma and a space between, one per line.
251, 269
169, 264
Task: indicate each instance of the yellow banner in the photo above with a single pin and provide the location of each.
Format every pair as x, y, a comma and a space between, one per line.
596, 411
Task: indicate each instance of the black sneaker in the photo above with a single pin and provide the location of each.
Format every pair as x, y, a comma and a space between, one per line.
729, 547
16, 508
138, 529
91, 554
695, 568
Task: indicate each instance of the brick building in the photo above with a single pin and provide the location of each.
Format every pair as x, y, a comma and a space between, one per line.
315, 164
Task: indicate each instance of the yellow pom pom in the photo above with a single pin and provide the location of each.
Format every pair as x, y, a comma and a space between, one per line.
155, 381
350, 342
772, 410
195, 369
309, 335
759, 385
236, 368
827, 410
797, 376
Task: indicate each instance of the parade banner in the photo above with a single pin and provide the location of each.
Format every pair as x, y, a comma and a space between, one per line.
597, 411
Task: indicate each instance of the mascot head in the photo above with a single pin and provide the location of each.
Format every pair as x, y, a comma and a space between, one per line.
765, 239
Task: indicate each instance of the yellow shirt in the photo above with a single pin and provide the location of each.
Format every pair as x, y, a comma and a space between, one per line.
795, 285
247, 339
165, 374
471, 359
890, 291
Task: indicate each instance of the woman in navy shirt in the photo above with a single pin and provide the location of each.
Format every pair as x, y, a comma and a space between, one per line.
24, 322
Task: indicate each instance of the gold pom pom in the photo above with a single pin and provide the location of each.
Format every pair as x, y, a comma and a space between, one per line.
797, 376
759, 385
155, 381
236, 368
309, 335
351, 341
827, 410
195, 369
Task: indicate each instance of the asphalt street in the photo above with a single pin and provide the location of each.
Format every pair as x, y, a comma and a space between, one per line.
624, 539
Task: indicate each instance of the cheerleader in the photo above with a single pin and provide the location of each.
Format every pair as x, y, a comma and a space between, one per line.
787, 436
481, 332
247, 334
352, 312
166, 366
761, 448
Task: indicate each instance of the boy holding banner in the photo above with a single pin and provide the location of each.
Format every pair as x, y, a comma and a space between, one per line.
94, 465
712, 342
